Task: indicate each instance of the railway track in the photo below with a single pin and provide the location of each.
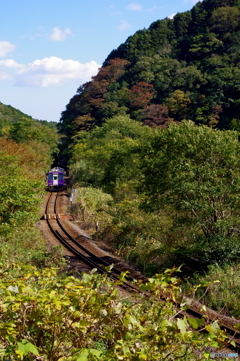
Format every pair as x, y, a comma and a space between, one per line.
108, 265
88, 258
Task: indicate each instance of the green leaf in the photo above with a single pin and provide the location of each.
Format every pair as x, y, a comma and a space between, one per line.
24, 347
209, 328
31, 348
84, 323
21, 349
213, 328
133, 320
203, 309
206, 355
142, 356
125, 350
181, 323
195, 323
83, 356
109, 268
95, 352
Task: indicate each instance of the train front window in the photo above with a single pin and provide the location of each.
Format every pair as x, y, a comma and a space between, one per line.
60, 176
55, 177
50, 176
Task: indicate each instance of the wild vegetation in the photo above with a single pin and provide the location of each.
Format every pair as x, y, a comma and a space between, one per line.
44, 313
171, 189
153, 151
26, 153
162, 198
27, 150
47, 315
174, 192
181, 68
64, 318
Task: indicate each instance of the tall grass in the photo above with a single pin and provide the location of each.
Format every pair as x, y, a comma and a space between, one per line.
220, 288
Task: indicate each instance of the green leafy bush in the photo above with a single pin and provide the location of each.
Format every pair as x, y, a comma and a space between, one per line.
22, 182
65, 318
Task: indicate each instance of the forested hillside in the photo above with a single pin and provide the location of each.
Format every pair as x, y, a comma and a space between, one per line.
181, 68
27, 150
152, 146
22, 128
46, 314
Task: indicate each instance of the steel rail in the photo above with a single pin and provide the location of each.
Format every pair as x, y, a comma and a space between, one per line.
235, 334
97, 258
85, 259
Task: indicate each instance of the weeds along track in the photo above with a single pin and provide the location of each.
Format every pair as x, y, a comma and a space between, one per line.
90, 257
82, 247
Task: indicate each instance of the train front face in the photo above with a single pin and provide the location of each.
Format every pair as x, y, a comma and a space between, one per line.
55, 180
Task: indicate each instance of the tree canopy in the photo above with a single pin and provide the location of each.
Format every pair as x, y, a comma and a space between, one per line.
194, 56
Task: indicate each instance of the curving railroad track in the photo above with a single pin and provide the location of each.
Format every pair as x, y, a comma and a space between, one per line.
89, 257
82, 247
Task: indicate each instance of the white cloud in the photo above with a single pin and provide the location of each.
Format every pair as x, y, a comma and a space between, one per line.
7, 68
9, 63
60, 35
47, 72
5, 48
124, 25
135, 7
171, 16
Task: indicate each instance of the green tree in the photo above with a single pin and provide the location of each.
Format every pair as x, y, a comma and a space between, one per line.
195, 171
204, 45
106, 155
182, 23
178, 105
20, 188
225, 19
26, 130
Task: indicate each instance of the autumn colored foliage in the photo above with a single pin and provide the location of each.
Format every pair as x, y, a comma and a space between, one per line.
181, 68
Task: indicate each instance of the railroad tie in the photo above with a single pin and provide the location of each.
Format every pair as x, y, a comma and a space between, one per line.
51, 216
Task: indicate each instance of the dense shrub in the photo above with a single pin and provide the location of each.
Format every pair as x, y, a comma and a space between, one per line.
43, 315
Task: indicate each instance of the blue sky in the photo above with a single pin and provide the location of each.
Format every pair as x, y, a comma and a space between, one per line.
48, 48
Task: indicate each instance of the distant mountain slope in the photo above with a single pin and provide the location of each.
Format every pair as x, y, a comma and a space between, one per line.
10, 113
182, 68
22, 128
